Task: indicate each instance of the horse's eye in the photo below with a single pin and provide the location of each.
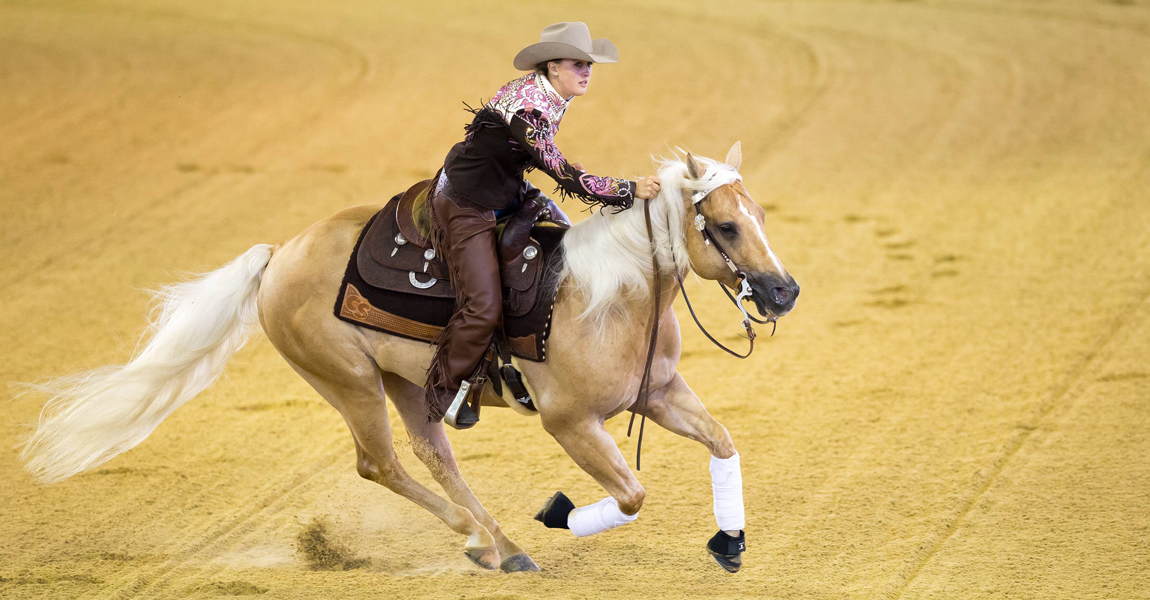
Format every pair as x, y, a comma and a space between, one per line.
729, 229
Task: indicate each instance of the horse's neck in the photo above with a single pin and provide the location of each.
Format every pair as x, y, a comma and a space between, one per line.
609, 261
637, 241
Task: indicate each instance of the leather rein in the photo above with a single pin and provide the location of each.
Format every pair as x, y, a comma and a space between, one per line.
744, 292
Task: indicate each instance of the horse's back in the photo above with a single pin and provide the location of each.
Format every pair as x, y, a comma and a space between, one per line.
327, 241
341, 228
302, 280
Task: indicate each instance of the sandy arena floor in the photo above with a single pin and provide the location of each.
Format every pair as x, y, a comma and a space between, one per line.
957, 408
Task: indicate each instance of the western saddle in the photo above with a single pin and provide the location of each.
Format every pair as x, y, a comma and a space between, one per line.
395, 254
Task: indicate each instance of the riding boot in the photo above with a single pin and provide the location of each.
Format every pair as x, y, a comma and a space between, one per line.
463, 233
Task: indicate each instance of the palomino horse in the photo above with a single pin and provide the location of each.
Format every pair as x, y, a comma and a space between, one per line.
599, 346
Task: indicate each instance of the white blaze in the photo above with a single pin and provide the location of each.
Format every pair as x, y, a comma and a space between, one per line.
762, 234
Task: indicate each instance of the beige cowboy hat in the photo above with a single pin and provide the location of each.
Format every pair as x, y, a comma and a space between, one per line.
569, 39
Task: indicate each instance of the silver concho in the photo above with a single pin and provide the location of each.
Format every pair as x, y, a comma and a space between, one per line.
416, 282
399, 239
429, 254
700, 222
530, 252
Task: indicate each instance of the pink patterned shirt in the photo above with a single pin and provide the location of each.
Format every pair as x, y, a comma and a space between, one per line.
532, 100
515, 131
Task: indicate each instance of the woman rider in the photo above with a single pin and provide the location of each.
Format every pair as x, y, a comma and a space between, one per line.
482, 180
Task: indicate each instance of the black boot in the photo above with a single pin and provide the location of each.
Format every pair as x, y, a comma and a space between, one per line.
727, 550
555, 510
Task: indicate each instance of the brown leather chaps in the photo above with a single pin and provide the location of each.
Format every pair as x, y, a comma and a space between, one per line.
463, 233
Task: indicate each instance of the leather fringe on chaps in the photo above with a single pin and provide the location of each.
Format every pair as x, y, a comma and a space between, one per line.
437, 386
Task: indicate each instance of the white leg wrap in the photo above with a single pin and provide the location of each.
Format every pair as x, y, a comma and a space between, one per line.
727, 483
597, 518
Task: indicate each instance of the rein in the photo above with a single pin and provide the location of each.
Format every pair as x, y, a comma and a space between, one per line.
744, 290
645, 383
642, 398
746, 324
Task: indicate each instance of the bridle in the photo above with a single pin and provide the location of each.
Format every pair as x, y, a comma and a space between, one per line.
742, 280
723, 178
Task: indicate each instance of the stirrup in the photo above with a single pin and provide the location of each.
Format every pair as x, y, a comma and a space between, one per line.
469, 395
451, 417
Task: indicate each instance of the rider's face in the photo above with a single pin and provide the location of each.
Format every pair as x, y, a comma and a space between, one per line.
570, 77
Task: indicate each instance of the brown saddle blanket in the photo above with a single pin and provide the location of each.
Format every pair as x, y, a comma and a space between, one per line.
395, 283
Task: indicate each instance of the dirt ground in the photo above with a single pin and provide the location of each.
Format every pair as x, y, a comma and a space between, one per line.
957, 408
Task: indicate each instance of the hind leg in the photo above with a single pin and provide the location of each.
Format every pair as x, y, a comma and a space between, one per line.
430, 444
295, 307
358, 397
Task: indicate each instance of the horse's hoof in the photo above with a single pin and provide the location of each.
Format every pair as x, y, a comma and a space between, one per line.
732, 565
519, 562
488, 558
555, 510
727, 550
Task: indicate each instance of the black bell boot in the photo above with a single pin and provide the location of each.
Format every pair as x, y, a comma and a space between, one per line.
554, 512
727, 550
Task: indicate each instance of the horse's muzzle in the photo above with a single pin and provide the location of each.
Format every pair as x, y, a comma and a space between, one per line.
774, 296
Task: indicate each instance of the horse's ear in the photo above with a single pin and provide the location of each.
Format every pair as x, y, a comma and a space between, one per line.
693, 167
735, 155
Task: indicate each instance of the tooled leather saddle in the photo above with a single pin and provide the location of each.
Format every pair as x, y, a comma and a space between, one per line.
396, 283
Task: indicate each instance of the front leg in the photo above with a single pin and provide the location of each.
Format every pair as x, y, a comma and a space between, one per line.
593, 449
676, 408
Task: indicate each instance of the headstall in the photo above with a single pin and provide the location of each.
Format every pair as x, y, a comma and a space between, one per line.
744, 292
743, 282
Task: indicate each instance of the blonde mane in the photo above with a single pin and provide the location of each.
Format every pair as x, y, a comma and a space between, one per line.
608, 255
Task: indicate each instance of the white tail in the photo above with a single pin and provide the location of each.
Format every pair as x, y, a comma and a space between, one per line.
94, 416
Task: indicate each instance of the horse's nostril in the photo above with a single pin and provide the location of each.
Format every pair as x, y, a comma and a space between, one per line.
780, 295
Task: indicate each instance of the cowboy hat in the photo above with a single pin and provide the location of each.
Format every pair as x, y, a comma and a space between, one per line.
569, 39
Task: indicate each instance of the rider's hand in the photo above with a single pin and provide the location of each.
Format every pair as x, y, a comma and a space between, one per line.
578, 167
647, 188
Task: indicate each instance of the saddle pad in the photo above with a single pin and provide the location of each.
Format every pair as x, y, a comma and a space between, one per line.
421, 318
